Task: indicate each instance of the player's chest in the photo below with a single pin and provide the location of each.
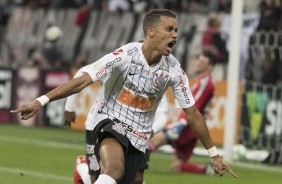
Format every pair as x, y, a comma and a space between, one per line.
143, 78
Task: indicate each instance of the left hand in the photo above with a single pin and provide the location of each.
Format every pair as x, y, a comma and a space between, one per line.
220, 167
69, 118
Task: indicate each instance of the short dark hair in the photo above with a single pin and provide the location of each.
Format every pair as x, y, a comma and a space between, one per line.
153, 17
210, 56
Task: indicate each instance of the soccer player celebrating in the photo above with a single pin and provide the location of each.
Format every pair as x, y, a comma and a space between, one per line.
134, 78
179, 134
86, 166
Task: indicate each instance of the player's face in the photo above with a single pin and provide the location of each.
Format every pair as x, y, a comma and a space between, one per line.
202, 64
165, 35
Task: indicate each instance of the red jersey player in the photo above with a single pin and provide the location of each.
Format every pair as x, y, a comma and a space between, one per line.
178, 134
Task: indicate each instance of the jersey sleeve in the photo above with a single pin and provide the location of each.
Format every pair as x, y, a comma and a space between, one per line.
163, 106
161, 115
181, 90
104, 67
70, 101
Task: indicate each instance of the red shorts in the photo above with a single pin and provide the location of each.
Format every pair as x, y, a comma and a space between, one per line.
185, 143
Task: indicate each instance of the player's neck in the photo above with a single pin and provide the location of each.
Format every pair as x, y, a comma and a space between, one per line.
152, 56
203, 74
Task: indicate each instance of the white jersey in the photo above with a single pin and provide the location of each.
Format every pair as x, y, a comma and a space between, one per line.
159, 119
132, 90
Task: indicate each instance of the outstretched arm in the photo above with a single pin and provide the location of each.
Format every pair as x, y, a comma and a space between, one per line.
69, 113
73, 86
199, 127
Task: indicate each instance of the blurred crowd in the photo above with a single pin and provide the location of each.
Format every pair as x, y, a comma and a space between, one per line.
128, 5
214, 38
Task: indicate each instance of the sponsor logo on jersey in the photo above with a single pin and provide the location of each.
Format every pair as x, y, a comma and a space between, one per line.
130, 86
170, 62
101, 73
129, 129
184, 90
111, 63
90, 148
130, 99
118, 127
146, 77
163, 68
93, 163
136, 62
130, 52
138, 134
117, 52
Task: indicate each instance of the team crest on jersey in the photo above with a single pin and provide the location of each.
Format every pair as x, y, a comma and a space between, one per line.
160, 79
118, 127
117, 52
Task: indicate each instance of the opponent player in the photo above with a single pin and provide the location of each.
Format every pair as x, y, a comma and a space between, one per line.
179, 134
134, 78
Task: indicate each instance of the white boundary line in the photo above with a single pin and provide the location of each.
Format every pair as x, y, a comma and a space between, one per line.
258, 167
41, 143
38, 143
35, 174
80, 147
202, 152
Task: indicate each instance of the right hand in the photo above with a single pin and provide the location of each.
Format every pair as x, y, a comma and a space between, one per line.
220, 167
28, 110
69, 118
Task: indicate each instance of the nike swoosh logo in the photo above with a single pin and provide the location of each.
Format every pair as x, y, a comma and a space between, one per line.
132, 73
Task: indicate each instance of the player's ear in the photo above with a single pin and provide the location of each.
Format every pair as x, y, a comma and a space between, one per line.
150, 31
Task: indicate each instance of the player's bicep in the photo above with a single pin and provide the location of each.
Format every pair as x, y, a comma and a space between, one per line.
82, 81
104, 67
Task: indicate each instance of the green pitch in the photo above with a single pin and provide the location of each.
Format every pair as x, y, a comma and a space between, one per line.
47, 156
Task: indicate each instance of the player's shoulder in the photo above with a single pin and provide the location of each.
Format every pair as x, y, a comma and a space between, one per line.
127, 49
172, 62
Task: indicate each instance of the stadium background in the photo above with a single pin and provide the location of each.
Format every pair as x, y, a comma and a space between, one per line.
259, 111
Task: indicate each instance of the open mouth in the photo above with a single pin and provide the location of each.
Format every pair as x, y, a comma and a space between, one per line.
171, 44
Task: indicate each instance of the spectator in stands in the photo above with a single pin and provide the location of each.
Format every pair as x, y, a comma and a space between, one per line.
5, 12
118, 6
37, 60
50, 55
224, 6
212, 41
270, 15
202, 6
272, 69
82, 20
